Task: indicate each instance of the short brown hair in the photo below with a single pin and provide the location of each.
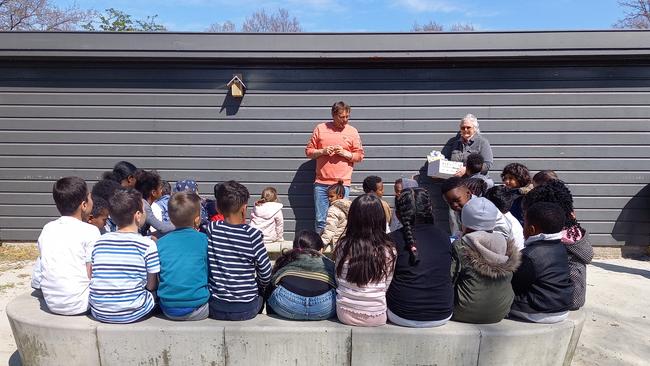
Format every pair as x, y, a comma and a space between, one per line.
231, 196
123, 206
69, 193
339, 106
183, 208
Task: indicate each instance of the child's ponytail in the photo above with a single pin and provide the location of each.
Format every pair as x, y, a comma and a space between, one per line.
338, 188
269, 194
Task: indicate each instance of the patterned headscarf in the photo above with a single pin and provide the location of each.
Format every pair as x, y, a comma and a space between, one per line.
187, 185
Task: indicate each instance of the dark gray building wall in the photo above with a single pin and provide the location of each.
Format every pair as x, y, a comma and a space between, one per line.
74, 104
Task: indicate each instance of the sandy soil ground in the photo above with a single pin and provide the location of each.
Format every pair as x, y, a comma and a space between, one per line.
616, 332
617, 329
14, 280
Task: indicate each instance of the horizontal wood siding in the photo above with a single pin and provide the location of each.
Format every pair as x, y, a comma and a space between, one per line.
588, 121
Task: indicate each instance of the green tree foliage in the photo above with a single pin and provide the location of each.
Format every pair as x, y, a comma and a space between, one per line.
114, 20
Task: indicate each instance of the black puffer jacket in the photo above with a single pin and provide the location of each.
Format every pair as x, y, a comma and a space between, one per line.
541, 283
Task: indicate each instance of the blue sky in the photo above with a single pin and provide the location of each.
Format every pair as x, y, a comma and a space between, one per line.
376, 16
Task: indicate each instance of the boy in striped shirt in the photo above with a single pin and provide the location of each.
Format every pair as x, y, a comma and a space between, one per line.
239, 266
125, 265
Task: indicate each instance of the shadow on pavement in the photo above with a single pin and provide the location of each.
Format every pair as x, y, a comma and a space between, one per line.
621, 269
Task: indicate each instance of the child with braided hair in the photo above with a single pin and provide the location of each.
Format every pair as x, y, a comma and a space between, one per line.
574, 237
421, 294
477, 186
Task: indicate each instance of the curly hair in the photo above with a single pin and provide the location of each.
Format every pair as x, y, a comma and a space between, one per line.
519, 171
105, 189
147, 181
556, 192
99, 205
413, 206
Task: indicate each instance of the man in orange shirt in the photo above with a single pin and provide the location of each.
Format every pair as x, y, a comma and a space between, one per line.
336, 146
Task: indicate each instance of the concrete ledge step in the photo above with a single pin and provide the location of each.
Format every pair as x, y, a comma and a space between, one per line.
47, 339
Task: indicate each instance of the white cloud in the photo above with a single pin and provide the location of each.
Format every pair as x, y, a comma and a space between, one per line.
428, 5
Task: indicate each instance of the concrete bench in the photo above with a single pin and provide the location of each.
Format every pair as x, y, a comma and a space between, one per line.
47, 339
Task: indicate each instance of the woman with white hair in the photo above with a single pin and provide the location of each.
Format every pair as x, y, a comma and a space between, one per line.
468, 141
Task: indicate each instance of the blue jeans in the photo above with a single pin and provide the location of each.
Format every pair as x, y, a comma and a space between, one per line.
223, 310
291, 306
321, 204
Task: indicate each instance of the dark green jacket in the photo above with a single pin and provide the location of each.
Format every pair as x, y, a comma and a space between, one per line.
482, 289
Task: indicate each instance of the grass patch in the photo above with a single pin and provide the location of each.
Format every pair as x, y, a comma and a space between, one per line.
7, 286
14, 256
17, 253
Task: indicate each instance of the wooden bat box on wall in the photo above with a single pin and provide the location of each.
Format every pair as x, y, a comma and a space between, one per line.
237, 86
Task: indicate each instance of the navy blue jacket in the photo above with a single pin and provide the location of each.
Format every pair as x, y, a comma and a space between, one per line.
541, 283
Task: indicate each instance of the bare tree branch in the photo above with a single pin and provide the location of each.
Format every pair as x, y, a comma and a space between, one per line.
224, 27
40, 15
461, 27
428, 27
281, 21
636, 14
436, 27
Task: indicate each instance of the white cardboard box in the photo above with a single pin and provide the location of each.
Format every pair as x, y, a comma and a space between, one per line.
443, 168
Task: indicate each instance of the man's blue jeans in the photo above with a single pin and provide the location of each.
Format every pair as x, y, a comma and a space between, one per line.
292, 306
321, 204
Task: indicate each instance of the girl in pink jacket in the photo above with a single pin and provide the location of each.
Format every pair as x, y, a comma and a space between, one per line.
267, 216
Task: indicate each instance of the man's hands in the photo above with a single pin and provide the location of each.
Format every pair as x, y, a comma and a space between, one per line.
336, 150
460, 172
329, 150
